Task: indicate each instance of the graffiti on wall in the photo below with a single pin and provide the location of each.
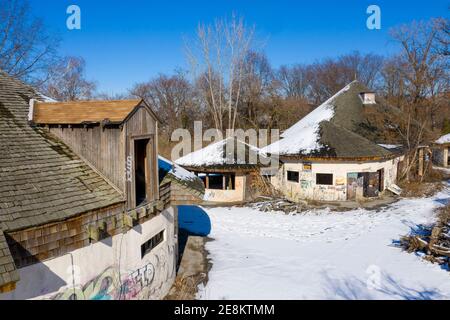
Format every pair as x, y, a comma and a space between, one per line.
305, 184
143, 283
129, 169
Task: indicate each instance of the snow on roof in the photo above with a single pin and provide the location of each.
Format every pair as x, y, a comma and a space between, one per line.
216, 154
303, 137
45, 98
176, 170
390, 146
444, 139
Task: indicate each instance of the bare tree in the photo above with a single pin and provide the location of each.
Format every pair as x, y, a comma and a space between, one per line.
67, 81
112, 96
258, 88
416, 81
294, 81
443, 37
26, 48
173, 99
330, 75
364, 67
424, 71
217, 58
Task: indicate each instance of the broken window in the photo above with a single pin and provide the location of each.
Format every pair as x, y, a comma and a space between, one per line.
218, 181
293, 176
324, 178
147, 246
229, 182
215, 181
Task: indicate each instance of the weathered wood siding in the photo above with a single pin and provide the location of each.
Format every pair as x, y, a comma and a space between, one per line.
142, 125
108, 148
141, 122
103, 148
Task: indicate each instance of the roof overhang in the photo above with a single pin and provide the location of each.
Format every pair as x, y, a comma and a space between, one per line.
96, 112
339, 159
440, 145
224, 169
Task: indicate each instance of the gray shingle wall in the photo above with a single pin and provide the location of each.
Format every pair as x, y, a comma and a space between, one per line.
41, 179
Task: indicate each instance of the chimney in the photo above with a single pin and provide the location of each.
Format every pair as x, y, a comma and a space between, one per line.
368, 97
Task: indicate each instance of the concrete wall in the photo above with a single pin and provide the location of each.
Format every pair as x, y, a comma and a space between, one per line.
440, 156
109, 269
236, 195
307, 189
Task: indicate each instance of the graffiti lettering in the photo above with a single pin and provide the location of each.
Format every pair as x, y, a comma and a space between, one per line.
129, 168
143, 283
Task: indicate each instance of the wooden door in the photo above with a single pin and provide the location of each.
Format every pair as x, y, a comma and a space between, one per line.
352, 185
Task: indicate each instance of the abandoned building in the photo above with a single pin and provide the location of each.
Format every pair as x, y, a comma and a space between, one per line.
441, 154
227, 168
186, 187
83, 214
330, 154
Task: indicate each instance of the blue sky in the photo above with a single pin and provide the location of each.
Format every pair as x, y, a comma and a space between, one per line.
124, 42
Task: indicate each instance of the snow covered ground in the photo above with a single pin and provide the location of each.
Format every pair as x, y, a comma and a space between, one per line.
322, 254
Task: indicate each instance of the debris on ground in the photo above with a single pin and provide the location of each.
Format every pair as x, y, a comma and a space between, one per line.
432, 242
279, 204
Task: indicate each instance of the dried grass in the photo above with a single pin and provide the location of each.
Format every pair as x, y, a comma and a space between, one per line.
420, 189
185, 288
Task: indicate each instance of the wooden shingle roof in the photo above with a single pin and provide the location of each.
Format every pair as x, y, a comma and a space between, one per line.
8, 271
339, 129
41, 179
78, 112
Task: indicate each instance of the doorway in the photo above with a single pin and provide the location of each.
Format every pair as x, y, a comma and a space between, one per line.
141, 174
366, 184
448, 156
352, 185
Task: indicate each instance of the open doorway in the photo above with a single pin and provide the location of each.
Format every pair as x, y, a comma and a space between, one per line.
141, 170
448, 156
366, 184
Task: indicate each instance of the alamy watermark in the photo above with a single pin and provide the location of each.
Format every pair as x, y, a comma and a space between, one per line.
73, 21
373, 22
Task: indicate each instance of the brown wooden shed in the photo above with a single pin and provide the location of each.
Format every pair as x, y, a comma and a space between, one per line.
117, 138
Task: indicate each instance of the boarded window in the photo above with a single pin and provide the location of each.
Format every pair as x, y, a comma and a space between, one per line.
152, 243
324, 179
293, 176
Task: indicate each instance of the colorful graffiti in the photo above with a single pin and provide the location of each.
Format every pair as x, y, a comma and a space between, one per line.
143, 283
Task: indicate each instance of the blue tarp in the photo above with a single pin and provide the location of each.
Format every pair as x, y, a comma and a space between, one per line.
194, 220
